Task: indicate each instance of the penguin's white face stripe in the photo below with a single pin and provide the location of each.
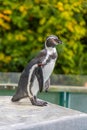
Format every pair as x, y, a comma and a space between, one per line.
29, 78
51, 37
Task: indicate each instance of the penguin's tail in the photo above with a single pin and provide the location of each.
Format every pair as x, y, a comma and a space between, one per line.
15, 98
19, 95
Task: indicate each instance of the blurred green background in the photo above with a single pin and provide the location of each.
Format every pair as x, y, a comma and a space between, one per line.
25, 24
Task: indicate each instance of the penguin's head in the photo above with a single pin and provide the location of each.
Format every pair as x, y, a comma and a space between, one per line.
52, 41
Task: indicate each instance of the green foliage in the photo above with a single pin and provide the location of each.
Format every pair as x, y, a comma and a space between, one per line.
24, 25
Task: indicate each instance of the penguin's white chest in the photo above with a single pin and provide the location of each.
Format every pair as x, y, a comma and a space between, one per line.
48, 69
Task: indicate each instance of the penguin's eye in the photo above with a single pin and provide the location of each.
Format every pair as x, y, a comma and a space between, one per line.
56, 40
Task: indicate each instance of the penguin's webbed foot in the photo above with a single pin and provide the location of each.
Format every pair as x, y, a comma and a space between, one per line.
36, 102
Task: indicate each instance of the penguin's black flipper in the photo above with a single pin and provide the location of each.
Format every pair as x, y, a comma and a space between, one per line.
39, 74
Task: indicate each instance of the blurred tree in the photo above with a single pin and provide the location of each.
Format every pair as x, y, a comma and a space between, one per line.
24, 25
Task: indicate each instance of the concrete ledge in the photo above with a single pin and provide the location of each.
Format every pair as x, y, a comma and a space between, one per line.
23, 116
72, 89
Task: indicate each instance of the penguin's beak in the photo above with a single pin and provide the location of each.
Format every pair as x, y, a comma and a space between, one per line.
58, 41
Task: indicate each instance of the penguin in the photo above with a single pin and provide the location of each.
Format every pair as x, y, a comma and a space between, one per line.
36, 75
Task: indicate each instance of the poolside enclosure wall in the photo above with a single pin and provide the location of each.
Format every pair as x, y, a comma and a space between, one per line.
65, 90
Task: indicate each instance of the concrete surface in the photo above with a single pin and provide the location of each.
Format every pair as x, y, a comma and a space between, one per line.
23, 116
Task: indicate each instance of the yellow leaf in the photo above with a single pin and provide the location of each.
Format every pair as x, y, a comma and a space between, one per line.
22, 8
40, 39
37, 1
1, 15
66, 15
76, 4
69, 25
82, 23
7, 59
7, 11
67, 7
20, 37
42, 21
1, 22
10, 36
5, 17
6, 26
60, 6
2, 56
